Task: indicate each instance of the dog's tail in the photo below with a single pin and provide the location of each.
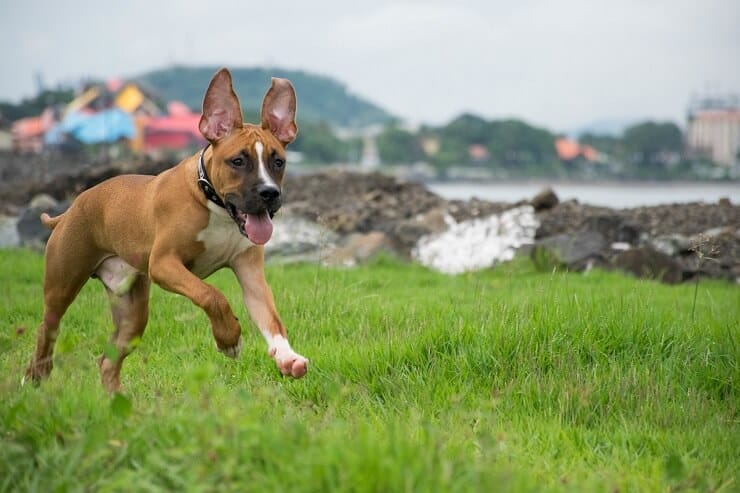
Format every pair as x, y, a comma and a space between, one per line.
50, 222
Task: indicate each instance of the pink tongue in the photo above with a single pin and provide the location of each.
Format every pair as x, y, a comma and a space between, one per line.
258, 228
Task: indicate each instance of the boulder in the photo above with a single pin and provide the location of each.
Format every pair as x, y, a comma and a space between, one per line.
32, 233
407, 232
566, 218
714, 254
613, 227
9, 236
671, 244
43, 201
648, 263
478, 243
573, 250
297, 239
358, 248
545, 199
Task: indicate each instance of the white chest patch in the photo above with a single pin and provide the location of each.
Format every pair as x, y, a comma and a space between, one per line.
222, 241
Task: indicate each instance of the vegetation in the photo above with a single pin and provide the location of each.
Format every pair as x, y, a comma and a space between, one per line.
651, 143
504, 380
397, 145
513, 148
510, 143
501, 148
35, 105
318, 143
320, 99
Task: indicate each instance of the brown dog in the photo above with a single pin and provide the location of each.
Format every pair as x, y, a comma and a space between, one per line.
212, 210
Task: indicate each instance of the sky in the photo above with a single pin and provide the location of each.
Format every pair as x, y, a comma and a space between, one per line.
559, 64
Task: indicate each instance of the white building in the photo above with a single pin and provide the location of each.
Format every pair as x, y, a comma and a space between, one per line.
714, 130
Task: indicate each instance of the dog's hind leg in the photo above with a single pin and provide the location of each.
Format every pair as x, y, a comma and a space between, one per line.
62, 283
129, 303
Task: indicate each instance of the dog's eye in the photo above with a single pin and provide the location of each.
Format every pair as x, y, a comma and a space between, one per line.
237, 162
279, 163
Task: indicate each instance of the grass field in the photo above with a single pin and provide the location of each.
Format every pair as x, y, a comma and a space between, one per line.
505, 380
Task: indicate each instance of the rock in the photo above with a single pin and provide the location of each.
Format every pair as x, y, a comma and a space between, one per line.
724, 202
672, 244
613, 227
715, 254
714, 232
686, 219
296, 239
463, 210
571, 250
478, 243
348, 202
359, 248
32, 233
645, 262
9, 236
545, 199
43, 201
407, 232
566, 218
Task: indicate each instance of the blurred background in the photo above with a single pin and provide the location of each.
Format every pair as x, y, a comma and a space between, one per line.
469, 97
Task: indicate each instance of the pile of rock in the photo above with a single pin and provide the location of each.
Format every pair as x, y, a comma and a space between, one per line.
369, 212
672, 242
341, 217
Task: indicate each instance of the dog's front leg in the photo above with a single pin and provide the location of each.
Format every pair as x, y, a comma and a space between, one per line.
249, 269
169, 272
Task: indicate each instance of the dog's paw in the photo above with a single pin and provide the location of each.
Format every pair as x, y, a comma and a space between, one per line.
289, 362
233, 351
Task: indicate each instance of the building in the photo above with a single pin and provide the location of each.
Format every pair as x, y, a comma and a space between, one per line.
714, 129
569, 150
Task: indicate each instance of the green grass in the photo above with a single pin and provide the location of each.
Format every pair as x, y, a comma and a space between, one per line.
508, 380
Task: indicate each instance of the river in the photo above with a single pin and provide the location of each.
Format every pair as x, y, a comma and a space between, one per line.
615, 195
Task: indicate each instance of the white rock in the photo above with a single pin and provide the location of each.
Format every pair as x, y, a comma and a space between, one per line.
9, 236
477, 243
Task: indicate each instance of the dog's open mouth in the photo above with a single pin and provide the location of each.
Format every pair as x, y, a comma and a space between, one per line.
256, 227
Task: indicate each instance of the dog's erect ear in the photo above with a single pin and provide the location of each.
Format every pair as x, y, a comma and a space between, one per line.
221, 110
278, 111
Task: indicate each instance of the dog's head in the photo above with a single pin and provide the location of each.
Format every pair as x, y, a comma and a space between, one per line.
247, 163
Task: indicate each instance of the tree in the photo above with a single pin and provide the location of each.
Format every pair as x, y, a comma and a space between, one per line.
396, 145
604, 143
35, 105
514, 142
646, 142
318, 143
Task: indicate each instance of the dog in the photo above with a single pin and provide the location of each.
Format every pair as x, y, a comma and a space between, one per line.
212, 210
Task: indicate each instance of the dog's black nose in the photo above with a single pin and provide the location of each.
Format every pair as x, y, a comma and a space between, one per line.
268, 192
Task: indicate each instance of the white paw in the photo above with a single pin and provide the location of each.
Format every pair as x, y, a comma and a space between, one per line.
233, 351
288, 361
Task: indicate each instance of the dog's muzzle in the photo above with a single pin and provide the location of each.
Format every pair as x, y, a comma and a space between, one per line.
270, 195
254, 216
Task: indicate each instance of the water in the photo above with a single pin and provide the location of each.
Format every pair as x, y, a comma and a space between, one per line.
615, 195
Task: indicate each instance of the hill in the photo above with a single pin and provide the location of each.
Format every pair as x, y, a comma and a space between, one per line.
320, 98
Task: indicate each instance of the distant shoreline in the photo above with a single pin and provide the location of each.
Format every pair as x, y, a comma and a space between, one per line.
614, 194
570, 181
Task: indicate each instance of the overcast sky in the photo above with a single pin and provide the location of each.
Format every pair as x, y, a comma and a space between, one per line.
560, 64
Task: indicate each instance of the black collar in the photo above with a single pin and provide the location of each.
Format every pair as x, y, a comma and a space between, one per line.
205, 184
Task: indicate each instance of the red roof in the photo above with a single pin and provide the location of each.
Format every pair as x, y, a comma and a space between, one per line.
567, 149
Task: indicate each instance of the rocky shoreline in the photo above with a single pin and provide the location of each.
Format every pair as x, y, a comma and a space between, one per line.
343, 217
674, 242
